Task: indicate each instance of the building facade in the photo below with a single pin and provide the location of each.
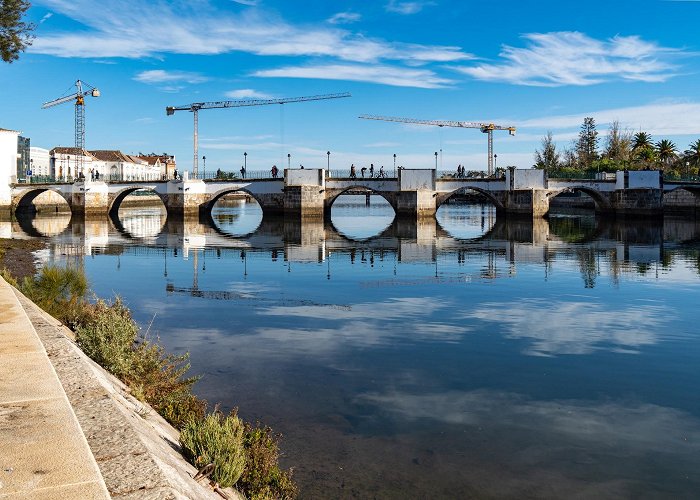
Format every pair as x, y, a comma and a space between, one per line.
23, 163
8, 164
39, 162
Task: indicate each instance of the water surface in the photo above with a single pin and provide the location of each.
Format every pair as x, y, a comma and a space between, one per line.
467, 356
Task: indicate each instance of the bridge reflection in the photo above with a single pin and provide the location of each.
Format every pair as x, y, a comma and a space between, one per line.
626, 244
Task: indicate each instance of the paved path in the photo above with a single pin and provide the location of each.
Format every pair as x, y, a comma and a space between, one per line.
43, 452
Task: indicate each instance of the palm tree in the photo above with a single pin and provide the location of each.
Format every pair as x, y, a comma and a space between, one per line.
641, 140
692, 154
666, 151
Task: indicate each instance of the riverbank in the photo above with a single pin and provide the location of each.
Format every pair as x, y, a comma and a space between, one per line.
136, 450
17, 256
142, 372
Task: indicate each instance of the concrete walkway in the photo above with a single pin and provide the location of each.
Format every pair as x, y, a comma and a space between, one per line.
43, 452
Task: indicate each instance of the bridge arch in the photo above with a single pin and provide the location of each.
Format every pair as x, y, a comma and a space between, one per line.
24, 200
116, 199
333, 194
443, 197
209, 205
602, 203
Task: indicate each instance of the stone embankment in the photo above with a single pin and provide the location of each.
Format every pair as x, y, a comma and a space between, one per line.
69, 429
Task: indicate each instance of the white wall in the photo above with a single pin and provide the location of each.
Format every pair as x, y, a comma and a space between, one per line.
8, 164
39, 161
411, 180
638, 179
304, 176
528, 179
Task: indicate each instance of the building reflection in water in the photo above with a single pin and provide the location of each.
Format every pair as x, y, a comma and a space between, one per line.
627, 246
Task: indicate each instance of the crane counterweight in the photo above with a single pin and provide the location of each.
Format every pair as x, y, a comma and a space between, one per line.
79, 98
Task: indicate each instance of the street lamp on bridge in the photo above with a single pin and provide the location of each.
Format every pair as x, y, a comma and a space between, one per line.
435, 160
328, 164
204, 159
394, 164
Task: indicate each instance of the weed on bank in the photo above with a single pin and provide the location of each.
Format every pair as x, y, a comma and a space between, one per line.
243, 455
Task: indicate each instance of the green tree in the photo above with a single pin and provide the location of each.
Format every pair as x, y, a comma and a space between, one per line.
15, 34
641, 140
548, 159
618, 146
587, 145
666, 151
692, 154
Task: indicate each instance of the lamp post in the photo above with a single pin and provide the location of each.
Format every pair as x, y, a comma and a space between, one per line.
394, 164
495, 163
328, 164
435, 160
289, 160
204, 159
245, 162
687, 169
31, 170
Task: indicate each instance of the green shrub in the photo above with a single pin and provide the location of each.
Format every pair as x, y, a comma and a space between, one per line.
107, 334
7, 276
216, 439
60, 291
262, 477
160, 379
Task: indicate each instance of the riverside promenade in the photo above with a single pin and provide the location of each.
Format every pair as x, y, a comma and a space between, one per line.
43, 452
69, 429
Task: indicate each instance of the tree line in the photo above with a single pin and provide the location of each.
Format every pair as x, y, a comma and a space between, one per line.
621, 150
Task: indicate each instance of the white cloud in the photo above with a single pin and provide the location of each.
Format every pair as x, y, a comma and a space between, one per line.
573, 58
664, 118
575, 327
250, 3
155, 76
46, 17
247, 94
137, 28
382, 74
406, 8
345, 18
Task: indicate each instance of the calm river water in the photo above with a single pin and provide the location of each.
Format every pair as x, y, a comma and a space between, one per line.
468, 357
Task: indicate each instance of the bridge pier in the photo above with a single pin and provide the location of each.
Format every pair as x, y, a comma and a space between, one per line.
89, 199
304, 193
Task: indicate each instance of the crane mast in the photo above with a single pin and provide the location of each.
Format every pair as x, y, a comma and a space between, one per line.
79, 98
486, 128
196, 106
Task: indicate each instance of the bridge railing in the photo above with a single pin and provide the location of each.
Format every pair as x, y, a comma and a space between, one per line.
668, 177
235, 176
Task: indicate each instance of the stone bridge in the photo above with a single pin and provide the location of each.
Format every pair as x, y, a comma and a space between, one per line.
310, 193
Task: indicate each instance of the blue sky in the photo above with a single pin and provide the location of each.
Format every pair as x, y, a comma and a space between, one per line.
537, 65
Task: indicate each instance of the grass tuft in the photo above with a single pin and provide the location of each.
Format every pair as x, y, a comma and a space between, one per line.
216, 439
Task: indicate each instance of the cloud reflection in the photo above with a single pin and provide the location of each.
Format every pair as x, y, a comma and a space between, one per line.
575, 327
642, 427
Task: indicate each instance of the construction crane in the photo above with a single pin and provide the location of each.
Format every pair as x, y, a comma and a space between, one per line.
79, 97
486, 128
196, 106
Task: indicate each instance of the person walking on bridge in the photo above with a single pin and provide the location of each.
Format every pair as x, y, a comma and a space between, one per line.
362, 171
371, 169
353, 174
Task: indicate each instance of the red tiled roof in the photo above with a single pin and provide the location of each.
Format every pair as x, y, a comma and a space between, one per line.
65, 150
111, 155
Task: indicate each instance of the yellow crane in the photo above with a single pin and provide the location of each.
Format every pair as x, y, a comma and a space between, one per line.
196, 106
486, 128
84, 89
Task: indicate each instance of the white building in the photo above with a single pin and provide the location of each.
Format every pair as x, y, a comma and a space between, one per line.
63, 162
117, 165
8, 164
40, 161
